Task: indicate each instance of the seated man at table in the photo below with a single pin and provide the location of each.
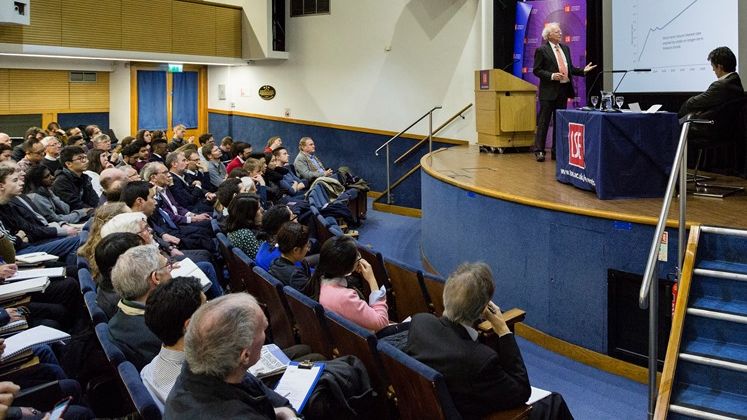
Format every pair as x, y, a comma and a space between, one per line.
727, 87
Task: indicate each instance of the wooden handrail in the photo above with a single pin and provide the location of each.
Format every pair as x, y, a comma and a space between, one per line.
425, 139
675, 336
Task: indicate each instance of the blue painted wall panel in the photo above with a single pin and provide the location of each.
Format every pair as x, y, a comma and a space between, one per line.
551, 264
67, 120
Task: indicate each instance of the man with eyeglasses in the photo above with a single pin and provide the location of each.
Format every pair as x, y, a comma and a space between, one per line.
34, 151
135, 275
52, 147
71, 184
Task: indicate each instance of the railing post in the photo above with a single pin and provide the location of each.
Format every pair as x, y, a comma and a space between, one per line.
683, 211
653, 345
430, 131
388, 182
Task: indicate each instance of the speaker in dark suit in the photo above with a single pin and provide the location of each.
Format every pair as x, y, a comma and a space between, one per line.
553, 66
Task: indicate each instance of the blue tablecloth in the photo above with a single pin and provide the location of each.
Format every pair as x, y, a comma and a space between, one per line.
625, 155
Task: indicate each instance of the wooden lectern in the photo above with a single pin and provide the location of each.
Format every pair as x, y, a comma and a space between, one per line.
506, 109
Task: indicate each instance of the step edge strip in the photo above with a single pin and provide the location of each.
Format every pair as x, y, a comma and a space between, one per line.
701, 414
710, 361
720, 274
717, 315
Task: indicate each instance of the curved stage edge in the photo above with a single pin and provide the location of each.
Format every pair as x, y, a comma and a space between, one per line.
550, 245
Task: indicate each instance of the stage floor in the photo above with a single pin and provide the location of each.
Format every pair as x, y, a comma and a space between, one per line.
519, 178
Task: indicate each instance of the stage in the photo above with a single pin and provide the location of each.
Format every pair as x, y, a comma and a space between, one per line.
550, 245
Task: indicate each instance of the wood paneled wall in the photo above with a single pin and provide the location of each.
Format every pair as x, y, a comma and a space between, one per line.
165, 26
44, 91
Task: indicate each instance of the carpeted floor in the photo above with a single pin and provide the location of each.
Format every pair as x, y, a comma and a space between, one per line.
590, 393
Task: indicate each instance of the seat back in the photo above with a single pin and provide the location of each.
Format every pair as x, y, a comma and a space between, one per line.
310, 322
350, 338
86, 280
405, 282
420, 391
382, 278
83, 262
433, 291
322, 226
242, 266
216, 227
139, 395
113, 354
94, 311
225, 247
281, 319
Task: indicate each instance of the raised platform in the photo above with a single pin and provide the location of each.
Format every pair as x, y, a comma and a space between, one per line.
550, 245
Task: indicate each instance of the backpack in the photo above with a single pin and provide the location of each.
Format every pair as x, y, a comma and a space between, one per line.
343, 392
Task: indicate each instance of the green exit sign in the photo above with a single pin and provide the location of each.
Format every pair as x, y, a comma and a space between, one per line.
175, 68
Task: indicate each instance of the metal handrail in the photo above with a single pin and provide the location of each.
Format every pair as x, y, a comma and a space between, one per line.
405, 130
428, 114
648, 296
436, 131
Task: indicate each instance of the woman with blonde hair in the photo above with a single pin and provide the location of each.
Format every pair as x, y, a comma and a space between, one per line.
102, 215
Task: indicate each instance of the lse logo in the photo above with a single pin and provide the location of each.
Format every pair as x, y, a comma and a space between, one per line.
576, 141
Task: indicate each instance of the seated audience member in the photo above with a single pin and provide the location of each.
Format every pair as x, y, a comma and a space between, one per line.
241, 151
244, 218
33, 154
136, 154
197, 173
190, 196
5, 152
136, 222
272, 144
126, 141
102, 215
339, 258
144, 136
226, 148
71, 184
52, 147
104, 142
112, 180
254, 168
98, 161
307, 164
5, 139
216, 169
480, 379
28, 232
92, 131
167, 314
290, 184
158, 175
195, 242
204, 140
223, 196
107, 252
178, 140
38, 190
35, 133
220, 387
272, 220
293, 243
136, 273
77, 141
158, 150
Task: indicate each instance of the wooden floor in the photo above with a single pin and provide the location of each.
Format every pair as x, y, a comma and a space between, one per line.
519, 178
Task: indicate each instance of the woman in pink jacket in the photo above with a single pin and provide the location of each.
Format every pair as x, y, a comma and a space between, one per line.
338, 259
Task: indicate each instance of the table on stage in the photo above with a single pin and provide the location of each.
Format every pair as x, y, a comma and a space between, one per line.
617, 155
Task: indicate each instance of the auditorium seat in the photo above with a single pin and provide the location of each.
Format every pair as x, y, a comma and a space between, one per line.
86, 281
242, 274
83, 263
382, 277
324, 227
406, 286
226, 250
280, 319
140, 398
216, 227
351, 339
310, 322
94, 311
420, 392
433, 292
113, 354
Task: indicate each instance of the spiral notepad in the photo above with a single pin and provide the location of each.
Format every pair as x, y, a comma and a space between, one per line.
23, 341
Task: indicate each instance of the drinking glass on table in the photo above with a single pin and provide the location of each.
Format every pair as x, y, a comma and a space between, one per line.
594, 101
619, 100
